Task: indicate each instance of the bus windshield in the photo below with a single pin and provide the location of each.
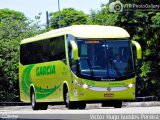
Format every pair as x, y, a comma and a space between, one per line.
106, 59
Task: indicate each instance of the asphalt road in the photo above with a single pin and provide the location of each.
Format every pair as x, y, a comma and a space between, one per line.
141, 110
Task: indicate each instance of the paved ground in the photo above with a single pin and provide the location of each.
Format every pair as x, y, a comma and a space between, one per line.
136, 110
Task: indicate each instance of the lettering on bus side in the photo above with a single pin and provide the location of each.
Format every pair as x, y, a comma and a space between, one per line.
45, 70
89, 82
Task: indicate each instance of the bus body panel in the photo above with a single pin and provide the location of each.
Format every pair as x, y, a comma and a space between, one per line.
50, 87
49, 78
83, 31
89, 90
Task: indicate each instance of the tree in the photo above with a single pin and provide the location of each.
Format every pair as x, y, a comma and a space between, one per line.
14, 27
11, 27
103, 17
68, 16
138, 1
143, 27
7, 13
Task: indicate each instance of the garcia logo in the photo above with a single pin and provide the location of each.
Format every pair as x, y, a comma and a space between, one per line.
45, 70
116, 6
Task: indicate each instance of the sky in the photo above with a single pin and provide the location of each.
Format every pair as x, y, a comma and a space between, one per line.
32, 8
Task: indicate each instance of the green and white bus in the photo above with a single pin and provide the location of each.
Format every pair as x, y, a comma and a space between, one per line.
77, 65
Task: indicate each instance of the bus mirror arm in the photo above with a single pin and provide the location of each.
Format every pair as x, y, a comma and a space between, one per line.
75, 50
138, 49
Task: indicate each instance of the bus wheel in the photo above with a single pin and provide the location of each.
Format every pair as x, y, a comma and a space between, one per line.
118, 104
43, 106
69, 104
81, 105
33, 101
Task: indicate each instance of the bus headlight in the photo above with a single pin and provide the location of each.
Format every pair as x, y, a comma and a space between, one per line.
85, 86
130, 85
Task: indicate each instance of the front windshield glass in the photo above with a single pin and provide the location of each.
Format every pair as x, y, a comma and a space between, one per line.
105, 59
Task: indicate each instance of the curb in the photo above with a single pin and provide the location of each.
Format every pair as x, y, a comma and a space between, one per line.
125, 104
141, 104
13, 104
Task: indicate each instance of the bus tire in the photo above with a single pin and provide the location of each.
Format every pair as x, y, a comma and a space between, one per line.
69, 104
35, 105
81, 105
118, 104
43, 106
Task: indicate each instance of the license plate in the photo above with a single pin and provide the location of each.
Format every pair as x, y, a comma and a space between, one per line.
108, 95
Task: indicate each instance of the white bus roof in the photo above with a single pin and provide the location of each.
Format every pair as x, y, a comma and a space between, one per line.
83, 31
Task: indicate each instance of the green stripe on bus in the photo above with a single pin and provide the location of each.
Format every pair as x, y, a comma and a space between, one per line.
26, 82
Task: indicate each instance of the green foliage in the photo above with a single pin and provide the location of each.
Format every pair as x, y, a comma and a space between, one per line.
139, 1
14, 27
103, 17
69, 16
156, 21
6, 13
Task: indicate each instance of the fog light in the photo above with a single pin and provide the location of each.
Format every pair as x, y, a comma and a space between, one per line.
85, 86
130, 85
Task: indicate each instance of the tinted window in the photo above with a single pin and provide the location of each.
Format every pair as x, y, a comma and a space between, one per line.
105, 59
42, 51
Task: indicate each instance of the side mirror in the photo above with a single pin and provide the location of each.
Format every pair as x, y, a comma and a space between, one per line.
75, 50
138, 49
